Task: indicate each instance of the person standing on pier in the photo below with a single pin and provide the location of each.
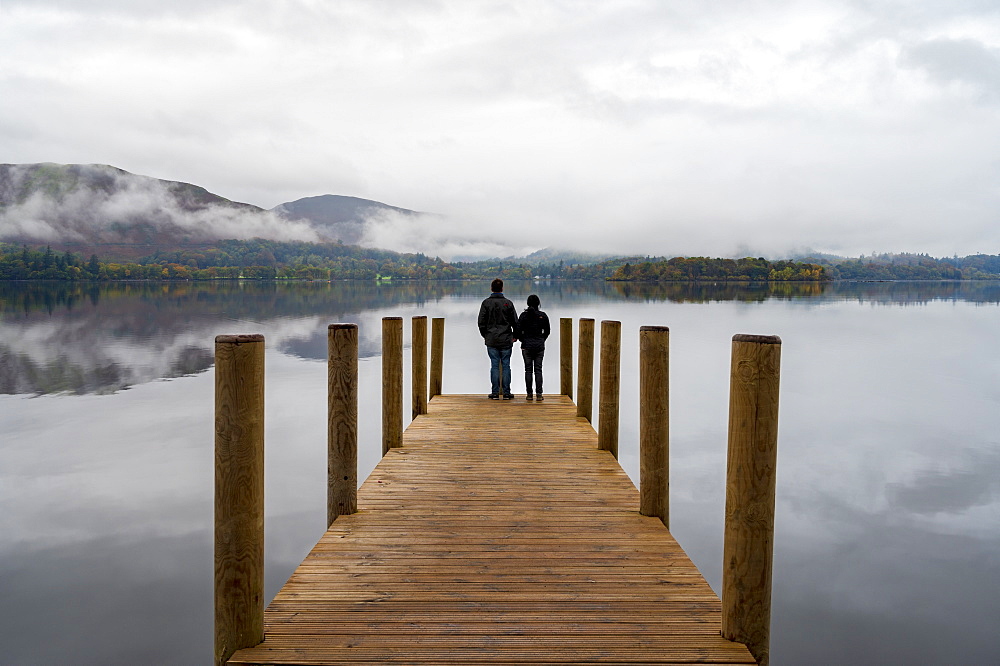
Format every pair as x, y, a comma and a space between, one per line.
534, 326
498, 326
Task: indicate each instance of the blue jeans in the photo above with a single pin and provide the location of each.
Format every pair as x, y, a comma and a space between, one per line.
499, 363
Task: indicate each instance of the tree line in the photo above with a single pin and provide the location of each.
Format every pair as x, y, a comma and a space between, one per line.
275, 260
908, 266
747, 269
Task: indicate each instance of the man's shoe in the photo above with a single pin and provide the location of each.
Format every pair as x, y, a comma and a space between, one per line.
529, 397
508, 397
539, 397
493, 397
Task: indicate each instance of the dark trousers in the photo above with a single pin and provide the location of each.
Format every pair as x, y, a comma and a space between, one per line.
533, 368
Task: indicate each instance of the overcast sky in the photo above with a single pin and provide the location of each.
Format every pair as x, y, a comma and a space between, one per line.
642, 126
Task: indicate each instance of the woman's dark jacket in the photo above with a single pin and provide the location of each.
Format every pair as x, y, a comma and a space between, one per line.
534, 325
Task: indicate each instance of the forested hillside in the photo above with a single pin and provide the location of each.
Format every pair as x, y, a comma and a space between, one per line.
265, 259
704, 268
906, 266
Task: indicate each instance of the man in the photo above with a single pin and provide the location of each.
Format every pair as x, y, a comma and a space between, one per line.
498, 326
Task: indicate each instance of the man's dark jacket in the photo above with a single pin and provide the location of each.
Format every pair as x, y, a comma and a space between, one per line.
534, 326
498, 322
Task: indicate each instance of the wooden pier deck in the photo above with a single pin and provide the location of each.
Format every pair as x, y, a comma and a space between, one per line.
498, 533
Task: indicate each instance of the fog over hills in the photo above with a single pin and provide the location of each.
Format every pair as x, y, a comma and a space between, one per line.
109, 211
345, 218
96, 208
374, 224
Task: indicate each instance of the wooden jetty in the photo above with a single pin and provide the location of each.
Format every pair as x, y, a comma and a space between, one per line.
494, 532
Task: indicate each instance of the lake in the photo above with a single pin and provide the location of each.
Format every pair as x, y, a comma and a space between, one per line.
887, 526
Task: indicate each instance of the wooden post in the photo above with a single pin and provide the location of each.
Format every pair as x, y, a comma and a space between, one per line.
437, 355
239, 493
654, 422
392, 383
342, 421
607, 428
566, 356
418, 365
750, 487
585, 371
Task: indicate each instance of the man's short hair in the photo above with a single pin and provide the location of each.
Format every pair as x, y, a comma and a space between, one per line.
533, 301
496, 286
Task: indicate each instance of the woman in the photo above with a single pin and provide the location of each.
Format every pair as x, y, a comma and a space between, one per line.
534, 325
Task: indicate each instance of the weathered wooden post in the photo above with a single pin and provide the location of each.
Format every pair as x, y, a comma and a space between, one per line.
342, 421
239, 493
585, 371
750, 487
392, 383
418, 365
566, 356
654, 422
607, 426
437, 355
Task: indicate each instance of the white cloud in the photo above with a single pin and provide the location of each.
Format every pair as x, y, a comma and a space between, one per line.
958, 61
437, 236
625, 126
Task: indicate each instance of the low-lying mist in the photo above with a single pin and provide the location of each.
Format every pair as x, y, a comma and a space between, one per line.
99, 204
96, 203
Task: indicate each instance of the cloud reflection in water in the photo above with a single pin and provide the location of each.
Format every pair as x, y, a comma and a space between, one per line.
887, 515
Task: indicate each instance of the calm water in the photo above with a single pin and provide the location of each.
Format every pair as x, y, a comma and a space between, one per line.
888, 508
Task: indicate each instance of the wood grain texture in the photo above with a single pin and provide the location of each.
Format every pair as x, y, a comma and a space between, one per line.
608, 402
437, 356
750, 488
654, 422
418, 366
239, 493
497, 534
342, 421
585, 371
566, 356
392, 383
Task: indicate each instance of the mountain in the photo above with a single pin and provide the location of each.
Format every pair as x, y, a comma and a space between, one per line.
20, 182
100, 209
341, 217
96, 208
552, 255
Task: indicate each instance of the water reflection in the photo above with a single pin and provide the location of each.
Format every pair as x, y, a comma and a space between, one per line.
953, 491
80, 339
887, 516
894, 293
102, 338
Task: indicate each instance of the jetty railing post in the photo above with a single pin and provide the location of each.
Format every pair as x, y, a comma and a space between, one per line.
437, 355
566, 356
607, 426
654, 422
585, 371
418, 363
392, 383
342, 421
239, 493
750, 488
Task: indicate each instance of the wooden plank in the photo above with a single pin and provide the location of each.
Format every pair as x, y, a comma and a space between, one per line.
498, 533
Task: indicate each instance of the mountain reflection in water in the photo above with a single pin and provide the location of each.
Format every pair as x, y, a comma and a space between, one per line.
888, 492
58, 337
